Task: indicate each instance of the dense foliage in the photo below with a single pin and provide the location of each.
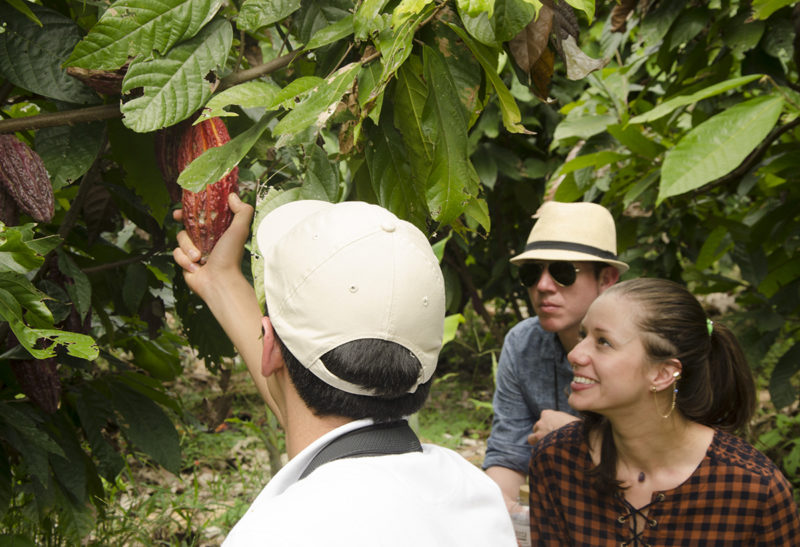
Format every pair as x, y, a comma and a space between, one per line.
460, 116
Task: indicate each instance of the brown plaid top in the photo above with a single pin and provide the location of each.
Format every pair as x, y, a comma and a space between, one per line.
736, 496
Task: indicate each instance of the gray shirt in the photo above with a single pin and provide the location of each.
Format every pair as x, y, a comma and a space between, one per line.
532, 375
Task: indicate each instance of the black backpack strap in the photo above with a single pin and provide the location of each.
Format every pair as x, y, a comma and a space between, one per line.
373, 440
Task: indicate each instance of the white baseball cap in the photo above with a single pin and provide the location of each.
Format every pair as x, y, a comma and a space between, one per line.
334, 273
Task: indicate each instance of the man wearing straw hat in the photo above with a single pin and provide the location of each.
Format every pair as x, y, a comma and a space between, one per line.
354, 317
569, 259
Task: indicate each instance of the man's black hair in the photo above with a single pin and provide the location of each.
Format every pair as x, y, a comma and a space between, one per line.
381, 365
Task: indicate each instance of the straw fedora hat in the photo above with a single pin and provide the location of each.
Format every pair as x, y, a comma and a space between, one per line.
574, 232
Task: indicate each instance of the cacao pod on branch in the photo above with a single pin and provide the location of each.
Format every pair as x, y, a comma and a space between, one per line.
206, 214
25, 179
38, 379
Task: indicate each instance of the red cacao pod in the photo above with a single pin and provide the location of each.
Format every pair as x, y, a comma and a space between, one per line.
206, 214
38, 379
25, 179
167, 143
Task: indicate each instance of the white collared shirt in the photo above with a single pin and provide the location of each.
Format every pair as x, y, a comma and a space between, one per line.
434, 498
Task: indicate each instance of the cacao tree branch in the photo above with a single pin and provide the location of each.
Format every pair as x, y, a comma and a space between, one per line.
454, 257
124, 262
67, 117
108, 111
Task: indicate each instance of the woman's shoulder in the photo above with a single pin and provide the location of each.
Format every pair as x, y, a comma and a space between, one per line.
731, 450
567, 438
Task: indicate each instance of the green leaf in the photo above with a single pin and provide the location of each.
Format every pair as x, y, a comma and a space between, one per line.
762, 9
19, 252
507, 19
406, 9
216, 162
390, 174
451, 323
476, 7
29, 297
582, 127
175, 85
320, 180
255, 14
508, 106
594, 160
477, 211
368, 20
334, 32
718, 145
134, 286
410, 96
714, 247
22, 6
70, 469
69, 150
136, 154
682, 100
781, 389
317, 107
80, 290
95, 411
634, 139
31, 54
452, 180
132, 28
147, 426
252, 94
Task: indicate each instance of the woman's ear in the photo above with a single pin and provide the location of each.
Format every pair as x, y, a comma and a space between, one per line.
271, 359
667, 373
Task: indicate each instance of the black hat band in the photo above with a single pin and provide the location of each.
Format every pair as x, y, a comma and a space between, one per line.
567, 246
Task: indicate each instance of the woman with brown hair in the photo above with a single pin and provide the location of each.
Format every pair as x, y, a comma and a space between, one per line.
655, 461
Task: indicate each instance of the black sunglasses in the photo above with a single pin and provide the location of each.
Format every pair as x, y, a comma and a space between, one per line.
563, 273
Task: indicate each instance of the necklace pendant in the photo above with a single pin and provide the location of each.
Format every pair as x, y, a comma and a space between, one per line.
641, 476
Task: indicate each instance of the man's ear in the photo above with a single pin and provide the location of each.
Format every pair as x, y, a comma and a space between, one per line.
271, 359
608, 276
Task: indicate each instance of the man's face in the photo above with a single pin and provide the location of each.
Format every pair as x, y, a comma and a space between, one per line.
561, 307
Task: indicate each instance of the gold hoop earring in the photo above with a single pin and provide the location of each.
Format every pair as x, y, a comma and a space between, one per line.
677, 376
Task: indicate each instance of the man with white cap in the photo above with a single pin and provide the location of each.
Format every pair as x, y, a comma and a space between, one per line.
569, 259
354, 301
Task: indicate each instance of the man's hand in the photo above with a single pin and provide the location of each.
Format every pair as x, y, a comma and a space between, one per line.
550, 420
226, 258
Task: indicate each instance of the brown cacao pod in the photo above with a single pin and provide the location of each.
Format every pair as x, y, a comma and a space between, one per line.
9, 213
25, 179
107, 82
38, 379
206, 214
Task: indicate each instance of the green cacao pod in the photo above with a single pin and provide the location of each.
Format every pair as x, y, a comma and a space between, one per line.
25, 179
206, 214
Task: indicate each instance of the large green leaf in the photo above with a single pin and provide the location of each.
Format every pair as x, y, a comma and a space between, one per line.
781, 389
20, 430
682, 100
369, 20
508, 106
20, 252
391, 177
320, 180
764, 8
452, 180
317, 107
175, 85
95, 411
136, 154
582, 127
31, 55
132, 28
247, 95
69, 150
80, 290
718, 145
29, 297
147, 426
500, 24
216, 162
334, 32
410, 96
255, 14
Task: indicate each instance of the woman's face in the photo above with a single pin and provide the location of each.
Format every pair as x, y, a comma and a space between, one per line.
610, 363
